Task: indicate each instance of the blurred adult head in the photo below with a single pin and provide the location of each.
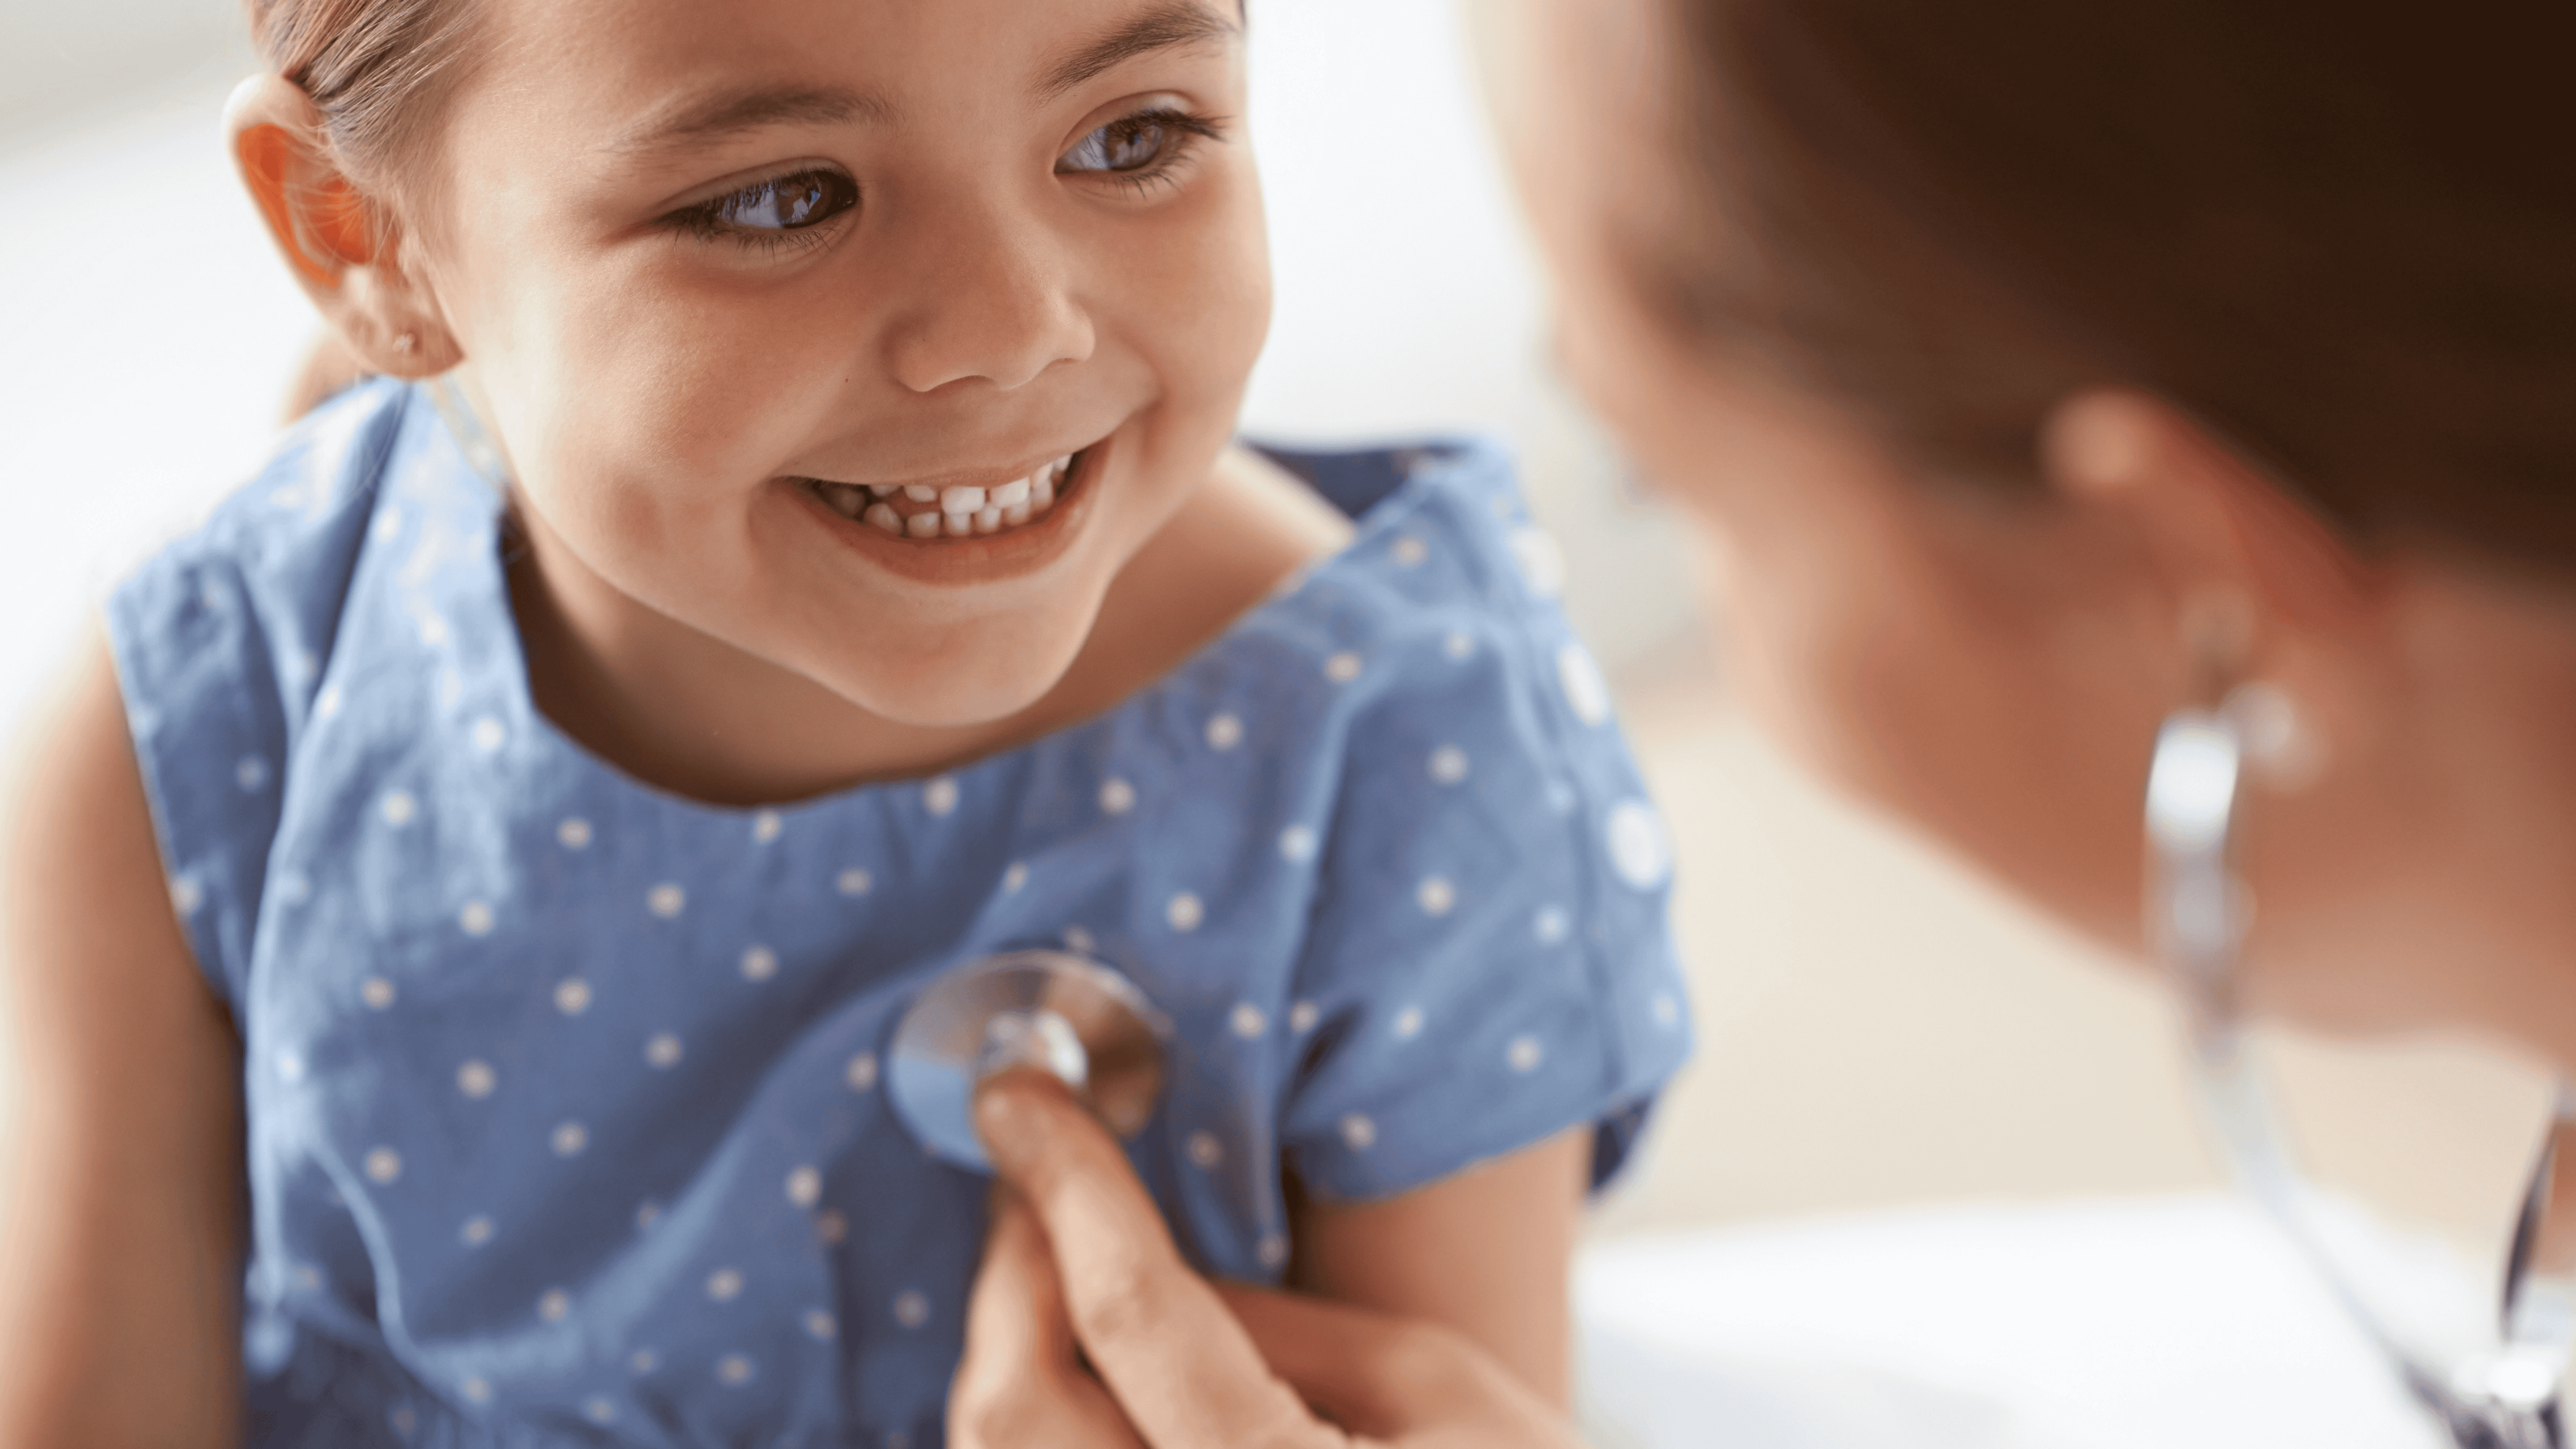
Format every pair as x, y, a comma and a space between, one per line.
2036, 369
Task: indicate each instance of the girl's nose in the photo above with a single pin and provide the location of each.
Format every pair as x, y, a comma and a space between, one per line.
996, 303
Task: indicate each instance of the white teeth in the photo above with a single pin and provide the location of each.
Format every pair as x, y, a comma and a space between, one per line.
1015, 515
1042, 490
844, 499
988, 519
922, 525
883, 516
885, 490
920, 494
1015, 491
962, 500
959, 524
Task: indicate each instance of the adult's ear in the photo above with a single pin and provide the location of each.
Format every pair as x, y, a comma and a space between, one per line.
2260, 588
345, 251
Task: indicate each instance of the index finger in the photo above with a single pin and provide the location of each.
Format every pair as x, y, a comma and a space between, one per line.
1180, 1365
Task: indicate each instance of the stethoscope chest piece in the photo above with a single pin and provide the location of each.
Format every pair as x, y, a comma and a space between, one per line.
1053, 1010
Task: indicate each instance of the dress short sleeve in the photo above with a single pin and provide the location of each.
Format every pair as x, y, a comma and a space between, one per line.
1489, 960
221, 642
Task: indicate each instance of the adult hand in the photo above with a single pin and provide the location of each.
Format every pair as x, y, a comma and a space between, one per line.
1080, 1267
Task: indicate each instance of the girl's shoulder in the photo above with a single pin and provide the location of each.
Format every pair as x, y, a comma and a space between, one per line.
1446, 566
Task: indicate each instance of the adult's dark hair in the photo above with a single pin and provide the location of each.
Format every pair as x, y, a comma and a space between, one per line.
2343, 235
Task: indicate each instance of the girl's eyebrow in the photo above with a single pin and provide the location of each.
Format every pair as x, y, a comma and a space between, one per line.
1160, 27
705, 118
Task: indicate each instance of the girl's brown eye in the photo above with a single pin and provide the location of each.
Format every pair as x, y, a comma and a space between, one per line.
786, 203
1131, 144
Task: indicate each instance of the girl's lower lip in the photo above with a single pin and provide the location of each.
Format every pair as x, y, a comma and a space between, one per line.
976, 558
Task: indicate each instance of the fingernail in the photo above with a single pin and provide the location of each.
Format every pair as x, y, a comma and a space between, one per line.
1004, 1118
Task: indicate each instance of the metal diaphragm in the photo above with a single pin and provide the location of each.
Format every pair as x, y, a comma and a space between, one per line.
1053, 1010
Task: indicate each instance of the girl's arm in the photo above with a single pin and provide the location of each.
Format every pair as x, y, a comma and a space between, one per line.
121, 1192
1487, 1252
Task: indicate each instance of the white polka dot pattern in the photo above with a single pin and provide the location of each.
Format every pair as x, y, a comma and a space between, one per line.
377, 992
1586, 692
1435, 895
1551, 924
1298, 844
569, 1138
759, 963
1205, 1150
1117, 797
805, 1186
1342, 668
1303, 1016
855, 882
1014, 878
666, 900
939, 796
724, 1284
475, 1078
861, 1073
554, 1305
475, 919
819, 1324
1449, 765
1542, 562
664, 1051
1408, 1023
476, 1231
573, 834
1183, 912
1524, 1054
572, 996
911, 1308
1248, 1021
1409, 552
1637, 848
488, 736
398, 808
734, 1370
384, 1164
765, 826
1224, 732
1358, 1132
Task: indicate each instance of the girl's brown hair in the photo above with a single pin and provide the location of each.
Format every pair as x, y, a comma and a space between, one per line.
2342, 233
378, 70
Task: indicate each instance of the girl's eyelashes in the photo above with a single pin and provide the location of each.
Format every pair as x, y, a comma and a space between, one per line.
770, 212
1140, 149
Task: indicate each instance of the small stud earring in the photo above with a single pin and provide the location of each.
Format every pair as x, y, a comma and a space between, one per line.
405, 343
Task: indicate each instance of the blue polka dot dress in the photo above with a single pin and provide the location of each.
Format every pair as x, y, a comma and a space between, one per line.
565, 1100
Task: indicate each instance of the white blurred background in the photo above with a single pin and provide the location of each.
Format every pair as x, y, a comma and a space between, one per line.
1901, 1071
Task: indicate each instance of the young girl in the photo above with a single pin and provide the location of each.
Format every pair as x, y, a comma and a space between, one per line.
791, 553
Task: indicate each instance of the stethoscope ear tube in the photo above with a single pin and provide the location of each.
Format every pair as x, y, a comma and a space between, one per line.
2197, 910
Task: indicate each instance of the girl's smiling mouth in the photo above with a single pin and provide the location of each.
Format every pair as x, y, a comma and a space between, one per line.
926, 512
948, 532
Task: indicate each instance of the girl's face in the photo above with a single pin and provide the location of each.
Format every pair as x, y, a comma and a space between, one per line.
754, 288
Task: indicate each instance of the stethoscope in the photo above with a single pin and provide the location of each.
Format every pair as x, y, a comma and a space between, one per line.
1064, 1014
2503, 1398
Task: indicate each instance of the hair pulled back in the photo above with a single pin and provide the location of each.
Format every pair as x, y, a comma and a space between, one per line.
2341, 233
378, 70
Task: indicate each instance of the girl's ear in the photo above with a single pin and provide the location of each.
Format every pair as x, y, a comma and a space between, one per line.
345, 252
